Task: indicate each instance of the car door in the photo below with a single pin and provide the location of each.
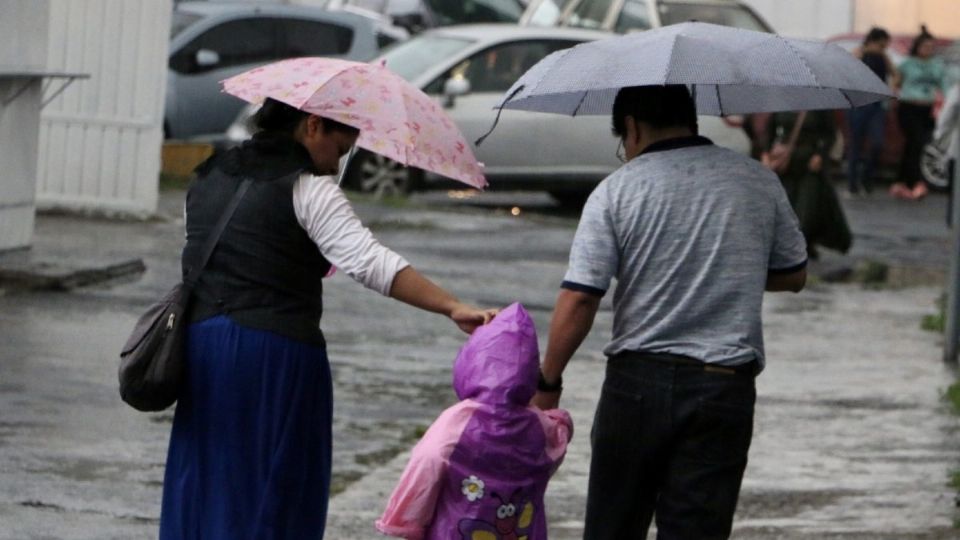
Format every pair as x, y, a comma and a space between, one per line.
238, 44
490, 73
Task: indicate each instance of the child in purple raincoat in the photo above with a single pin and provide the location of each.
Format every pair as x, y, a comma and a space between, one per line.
483, 465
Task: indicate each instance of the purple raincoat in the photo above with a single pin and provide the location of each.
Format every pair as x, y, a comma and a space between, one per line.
482, 468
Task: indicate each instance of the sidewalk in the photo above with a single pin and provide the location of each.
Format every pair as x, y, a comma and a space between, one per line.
851, 438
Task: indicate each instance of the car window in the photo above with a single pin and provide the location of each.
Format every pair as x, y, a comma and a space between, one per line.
411, 58
635, 15
449, 12
237, 42
313, 38
588, 14
547, 13
497, 68
384, 40
733, 15
180, 21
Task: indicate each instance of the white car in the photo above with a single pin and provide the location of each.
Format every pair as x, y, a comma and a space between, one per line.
633, 15
469, 68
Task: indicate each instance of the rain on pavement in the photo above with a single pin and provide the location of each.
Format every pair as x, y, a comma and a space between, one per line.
851, 439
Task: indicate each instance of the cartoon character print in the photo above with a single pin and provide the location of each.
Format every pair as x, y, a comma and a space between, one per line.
512, 521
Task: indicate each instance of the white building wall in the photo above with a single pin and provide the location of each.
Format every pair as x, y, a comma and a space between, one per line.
23, 41
815, 19
100, 140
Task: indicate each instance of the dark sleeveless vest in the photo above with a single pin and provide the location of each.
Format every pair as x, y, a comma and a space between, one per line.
266, 271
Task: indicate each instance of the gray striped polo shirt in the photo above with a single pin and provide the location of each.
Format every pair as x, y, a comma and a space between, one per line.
690, 231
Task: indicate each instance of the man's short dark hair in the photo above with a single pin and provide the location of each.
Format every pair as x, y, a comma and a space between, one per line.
658, 106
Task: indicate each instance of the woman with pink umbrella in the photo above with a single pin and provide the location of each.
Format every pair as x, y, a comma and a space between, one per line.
250, 448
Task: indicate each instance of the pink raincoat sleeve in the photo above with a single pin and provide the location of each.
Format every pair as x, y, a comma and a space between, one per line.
558, 427
412, 503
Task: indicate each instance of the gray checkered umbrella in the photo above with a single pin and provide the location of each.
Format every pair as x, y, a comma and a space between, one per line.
730, 71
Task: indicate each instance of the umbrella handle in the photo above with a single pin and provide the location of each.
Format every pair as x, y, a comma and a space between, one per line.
496, 119
346, 164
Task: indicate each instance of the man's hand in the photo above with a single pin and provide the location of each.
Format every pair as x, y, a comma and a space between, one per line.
546, 400
815, 164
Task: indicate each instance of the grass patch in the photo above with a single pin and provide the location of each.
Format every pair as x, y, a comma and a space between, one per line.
938, 321
952, 397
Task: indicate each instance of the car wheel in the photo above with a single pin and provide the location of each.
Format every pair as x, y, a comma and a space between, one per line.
933, 166
379, 175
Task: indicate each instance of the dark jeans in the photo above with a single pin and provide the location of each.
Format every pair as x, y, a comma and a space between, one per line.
916, 122
671, 440
866, 127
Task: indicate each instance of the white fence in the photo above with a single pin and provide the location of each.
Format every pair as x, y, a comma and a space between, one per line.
100, 140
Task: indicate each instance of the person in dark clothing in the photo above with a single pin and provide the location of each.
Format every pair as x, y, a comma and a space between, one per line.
811, 194
250, 447
867, 122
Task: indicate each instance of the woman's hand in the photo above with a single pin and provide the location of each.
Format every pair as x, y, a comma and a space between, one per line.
468, 318
815, 164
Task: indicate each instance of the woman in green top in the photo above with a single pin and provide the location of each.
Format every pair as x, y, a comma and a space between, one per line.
921, 78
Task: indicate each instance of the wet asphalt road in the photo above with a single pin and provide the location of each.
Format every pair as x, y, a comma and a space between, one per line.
851, 439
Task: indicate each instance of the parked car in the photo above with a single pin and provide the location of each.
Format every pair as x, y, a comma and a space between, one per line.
469, 68
419, 15
211, 41
632, 15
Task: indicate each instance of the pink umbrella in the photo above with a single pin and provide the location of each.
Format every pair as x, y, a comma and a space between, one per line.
395, 118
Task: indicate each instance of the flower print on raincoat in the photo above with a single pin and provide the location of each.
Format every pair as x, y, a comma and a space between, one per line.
482, 468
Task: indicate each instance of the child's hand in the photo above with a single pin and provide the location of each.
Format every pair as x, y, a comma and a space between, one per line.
468, 318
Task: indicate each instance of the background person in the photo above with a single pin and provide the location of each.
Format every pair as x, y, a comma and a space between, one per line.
867, 123
805, 180
922, 77
693, 233
250, 448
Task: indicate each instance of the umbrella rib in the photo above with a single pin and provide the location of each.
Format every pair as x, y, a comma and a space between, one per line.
802, 60
580, 103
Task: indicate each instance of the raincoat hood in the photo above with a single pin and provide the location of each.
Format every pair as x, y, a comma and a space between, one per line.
500, 362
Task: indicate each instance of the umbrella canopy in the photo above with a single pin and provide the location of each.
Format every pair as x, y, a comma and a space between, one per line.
395, 118
730, 70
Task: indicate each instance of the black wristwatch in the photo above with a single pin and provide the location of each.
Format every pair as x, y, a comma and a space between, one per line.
544, 386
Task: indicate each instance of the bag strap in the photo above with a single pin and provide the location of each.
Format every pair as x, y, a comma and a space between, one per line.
194, 274
795, 132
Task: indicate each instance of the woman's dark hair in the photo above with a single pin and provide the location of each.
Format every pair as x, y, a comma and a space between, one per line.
278, 117
658, 106
921, 38
876, 34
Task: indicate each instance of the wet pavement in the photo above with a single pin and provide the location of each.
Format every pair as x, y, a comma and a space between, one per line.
851, 439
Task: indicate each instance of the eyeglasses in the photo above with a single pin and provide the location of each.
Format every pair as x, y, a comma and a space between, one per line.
621, 155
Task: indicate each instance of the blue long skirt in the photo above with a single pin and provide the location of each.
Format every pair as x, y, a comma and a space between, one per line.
250, 449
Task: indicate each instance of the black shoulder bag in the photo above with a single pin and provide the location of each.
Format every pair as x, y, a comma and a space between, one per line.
152, 362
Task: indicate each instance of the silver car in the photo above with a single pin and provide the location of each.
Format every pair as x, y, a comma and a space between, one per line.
632, 15
212, 41
469, 68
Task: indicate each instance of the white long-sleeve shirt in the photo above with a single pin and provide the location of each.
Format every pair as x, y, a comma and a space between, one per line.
325, 213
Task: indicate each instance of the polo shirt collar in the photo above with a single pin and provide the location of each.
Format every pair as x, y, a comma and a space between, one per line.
675, 143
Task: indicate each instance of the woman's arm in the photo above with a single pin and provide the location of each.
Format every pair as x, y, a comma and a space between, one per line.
325, 213
413, 288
